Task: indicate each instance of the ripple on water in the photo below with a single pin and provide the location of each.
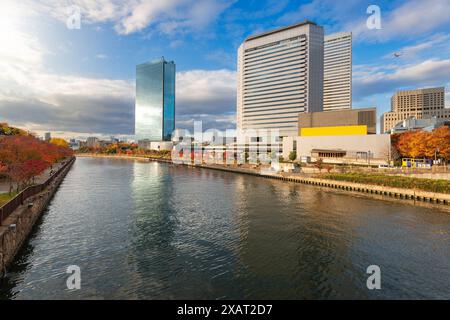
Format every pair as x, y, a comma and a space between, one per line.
151, 231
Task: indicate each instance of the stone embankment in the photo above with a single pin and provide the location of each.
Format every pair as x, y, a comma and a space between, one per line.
400, 193
15, 229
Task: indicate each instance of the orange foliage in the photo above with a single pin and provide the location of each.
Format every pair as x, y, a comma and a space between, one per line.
59, 142
23, 157
423, 144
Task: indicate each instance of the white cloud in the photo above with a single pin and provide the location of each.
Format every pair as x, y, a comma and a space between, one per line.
407, 19
375, 80
410, 19
176, 44
171, 15
331, 14
101, 56
143, 14
33, 97
438, 44
222, 58
206, 91
130, 16
208, 96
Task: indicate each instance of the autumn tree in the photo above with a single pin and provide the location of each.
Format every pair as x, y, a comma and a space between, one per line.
24, 157
319, 164
6, 130
440, 143
59, 142
423, 144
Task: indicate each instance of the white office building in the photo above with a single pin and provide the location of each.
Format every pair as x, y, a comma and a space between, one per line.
337, 82
280, 74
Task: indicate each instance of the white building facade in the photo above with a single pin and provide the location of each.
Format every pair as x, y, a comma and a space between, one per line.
419, 103
279, 75
337, 85
352, 149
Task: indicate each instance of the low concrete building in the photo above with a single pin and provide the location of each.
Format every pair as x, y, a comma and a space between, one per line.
74, 144
339, 122
161, 145
351, 149
412, 123
155, 145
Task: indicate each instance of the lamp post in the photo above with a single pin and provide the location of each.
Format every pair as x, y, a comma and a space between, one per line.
436, 151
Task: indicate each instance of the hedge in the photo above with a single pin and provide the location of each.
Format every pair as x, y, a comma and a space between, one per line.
432, 185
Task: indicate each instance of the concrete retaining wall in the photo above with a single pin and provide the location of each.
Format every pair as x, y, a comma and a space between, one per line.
439, 176
411, 194
15, 229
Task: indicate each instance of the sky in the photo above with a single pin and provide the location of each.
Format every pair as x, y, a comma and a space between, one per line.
81, 82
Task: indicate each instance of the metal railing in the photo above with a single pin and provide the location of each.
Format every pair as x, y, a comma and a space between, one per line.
30, 191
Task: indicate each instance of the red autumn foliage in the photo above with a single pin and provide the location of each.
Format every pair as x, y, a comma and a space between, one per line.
24, 157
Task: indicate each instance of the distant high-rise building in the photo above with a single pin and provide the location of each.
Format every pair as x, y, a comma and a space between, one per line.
47, 136
155, 100
74, 144
419, 103
280, 74
92, 142
337, 77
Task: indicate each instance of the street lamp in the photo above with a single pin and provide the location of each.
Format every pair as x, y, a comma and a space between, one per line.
435, 154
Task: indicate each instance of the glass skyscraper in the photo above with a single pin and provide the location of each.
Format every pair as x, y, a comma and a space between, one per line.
155, 100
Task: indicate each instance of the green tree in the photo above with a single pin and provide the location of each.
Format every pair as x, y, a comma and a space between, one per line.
292, 155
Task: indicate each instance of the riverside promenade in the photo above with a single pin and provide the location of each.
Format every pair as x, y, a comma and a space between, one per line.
16, 227
4, 185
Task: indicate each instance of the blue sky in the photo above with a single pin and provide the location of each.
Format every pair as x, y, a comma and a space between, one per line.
79, 82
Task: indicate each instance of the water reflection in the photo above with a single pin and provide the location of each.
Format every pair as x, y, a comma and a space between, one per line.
143, 230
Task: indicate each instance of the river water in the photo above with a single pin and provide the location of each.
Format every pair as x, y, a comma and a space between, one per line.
141, 230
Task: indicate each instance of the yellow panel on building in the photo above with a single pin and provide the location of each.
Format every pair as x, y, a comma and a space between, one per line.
334, 131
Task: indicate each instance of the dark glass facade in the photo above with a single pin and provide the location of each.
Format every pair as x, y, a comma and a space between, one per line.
155, 100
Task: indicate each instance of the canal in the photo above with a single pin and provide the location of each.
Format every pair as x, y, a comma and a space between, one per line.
141, 230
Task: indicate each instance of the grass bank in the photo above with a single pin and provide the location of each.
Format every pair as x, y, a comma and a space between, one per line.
5, 197
430, 185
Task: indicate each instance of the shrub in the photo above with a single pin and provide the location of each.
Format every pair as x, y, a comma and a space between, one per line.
432, 185
319, 164
292, 155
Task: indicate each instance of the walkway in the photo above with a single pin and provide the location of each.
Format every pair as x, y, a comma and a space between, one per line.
4, 185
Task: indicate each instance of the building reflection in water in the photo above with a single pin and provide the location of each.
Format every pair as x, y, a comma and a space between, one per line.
154, 231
